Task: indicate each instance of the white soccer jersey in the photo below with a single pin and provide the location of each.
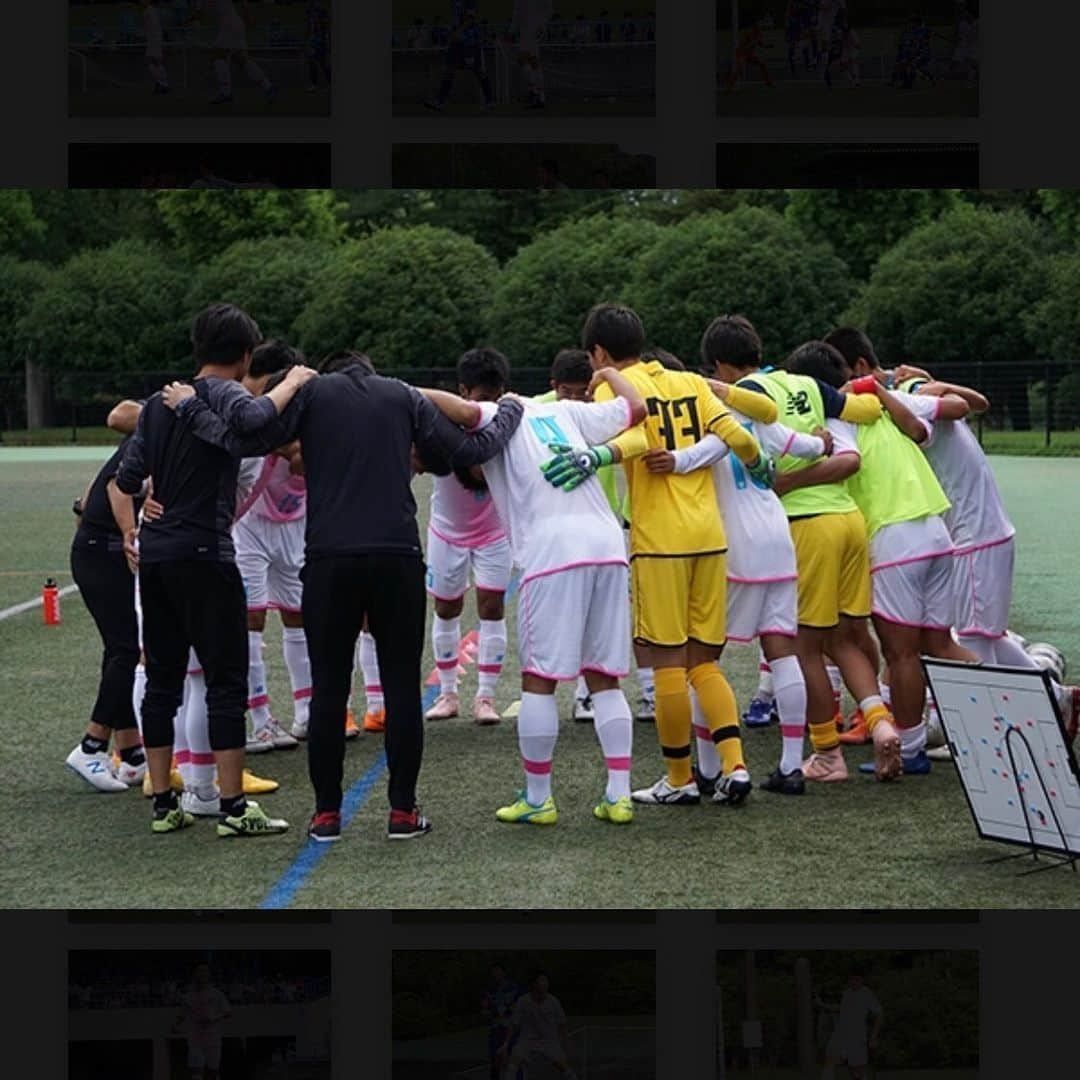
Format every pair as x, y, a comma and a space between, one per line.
463, 517
977, 517
856, 1007
205, 1009
539, 1021
551, 529
152, 31
759, 538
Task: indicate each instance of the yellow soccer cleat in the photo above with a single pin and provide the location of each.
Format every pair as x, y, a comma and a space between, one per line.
619, 812
256, 785
522, 812
176, 782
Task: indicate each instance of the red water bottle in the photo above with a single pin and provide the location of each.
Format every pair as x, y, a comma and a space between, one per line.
50, 603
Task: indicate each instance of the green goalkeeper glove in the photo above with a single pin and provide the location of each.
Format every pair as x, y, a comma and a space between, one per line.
570, 468
763, 471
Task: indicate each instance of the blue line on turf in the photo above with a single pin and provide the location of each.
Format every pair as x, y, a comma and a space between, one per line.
284, 890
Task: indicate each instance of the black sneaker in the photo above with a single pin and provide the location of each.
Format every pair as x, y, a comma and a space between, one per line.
790, 784
407, 825
706, 786
325, 827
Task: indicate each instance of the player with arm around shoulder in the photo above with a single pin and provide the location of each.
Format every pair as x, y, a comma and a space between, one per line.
539, 1024
205, 1010
850, 1044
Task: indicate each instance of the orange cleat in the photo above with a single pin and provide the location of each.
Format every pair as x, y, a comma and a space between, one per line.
375, 721
854, 731
351, 730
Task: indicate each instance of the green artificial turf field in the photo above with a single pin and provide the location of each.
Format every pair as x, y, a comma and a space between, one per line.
858, 844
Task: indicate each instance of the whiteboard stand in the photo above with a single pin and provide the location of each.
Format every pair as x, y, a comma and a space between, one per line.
1005, 731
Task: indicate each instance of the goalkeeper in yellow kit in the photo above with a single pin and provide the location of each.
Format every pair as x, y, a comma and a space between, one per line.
677, 546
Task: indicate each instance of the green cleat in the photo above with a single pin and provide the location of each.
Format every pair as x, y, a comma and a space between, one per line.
523, 812
171, 820
619, 812
252, 822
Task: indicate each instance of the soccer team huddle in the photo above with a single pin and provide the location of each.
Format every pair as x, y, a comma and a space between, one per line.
795, 506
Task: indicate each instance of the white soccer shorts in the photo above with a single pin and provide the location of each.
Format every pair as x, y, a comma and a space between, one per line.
911, 568
204, 1052
575, 620
550, 1051
850, 1051
982, 589
449, 566
269, 556
761, 607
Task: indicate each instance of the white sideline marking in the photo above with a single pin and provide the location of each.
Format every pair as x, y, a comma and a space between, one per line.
27, 605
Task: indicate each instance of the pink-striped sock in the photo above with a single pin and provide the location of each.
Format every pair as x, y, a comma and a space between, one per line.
538, 731
615, 732
491, 649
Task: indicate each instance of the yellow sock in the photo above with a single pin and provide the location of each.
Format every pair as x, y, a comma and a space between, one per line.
673, 718
874, 711
717, 701
824, 736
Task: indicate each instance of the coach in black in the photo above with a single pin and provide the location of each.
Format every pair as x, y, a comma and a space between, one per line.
363, 555
191, 592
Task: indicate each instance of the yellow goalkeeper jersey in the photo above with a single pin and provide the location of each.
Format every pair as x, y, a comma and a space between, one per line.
672, 514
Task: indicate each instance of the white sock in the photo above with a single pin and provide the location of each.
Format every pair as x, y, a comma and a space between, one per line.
581, 691
181, 752
294, 646
615, 731
765, 690
258, 699
912, 740
837, 681
368, 659
1004, 651
886, 694
708, 758
446, 641
490, 653
538, 731
646, 678
197, 728
256, 74
791, 706
224, 76
138, 692
986, 649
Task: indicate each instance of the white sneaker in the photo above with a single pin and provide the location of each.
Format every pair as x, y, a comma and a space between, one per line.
202, 802
95, 769
583, 709
645, 710
731, 790
662, 793
130, 774
299, 729
271, 736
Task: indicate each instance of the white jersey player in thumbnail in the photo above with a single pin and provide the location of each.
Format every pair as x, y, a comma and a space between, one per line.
573, 618
155, 46
850, 1044
465, 534
538, 1023
762, 597
205, 1010
530, 19
233, 19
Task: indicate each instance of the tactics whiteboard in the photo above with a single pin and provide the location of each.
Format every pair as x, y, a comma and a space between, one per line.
979, 706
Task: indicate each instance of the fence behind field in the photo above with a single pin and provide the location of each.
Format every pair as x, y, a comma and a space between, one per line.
1034, 405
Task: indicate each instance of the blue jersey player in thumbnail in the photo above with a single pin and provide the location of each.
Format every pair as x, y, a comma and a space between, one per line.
464, 52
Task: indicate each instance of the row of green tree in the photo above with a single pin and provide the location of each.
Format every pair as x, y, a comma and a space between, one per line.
108, 281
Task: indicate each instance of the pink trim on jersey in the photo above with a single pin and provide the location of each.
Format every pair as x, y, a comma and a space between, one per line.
571, 678
573, 566
838, 453
489, 669
702, 732
983, 546
257, 489
604, 671
481, 541
787, 445
763, 665
299, 695
761, 633
762, 580
445, 599
901, 622
938, 402
275, 606
618, 764
195, 671
912, 559
973, 632
258, 607
256, 702
197, 758
537, 768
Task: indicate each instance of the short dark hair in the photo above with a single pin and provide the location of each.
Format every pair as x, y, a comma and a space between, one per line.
731, 339
616, 328
484, 367
853, 343
662, 356
273, 356
571, 366
276, 378
819, 360
343, 358
223, 334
